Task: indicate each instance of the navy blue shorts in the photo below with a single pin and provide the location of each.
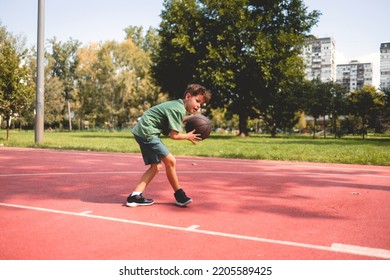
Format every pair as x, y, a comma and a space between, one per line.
152, 150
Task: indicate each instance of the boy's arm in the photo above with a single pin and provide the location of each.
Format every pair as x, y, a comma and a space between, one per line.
190, 136
186, 118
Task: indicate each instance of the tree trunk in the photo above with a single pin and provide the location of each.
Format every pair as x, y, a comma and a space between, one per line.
324, 128
273, 131
69, 116
8, 125
242, 126
314, 131
364, 126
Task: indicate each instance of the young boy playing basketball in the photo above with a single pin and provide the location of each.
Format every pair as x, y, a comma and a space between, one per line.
165, 118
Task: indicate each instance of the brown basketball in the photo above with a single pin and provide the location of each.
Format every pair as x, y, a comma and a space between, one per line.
201, 124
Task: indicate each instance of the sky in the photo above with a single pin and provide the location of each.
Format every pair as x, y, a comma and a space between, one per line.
358, 27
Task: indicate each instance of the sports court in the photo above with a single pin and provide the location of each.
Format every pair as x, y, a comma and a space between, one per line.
70, 205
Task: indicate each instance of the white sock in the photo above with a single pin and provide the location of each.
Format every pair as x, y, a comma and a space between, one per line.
135, 193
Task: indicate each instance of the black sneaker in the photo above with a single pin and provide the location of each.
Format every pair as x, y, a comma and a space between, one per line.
181, 198
135, 200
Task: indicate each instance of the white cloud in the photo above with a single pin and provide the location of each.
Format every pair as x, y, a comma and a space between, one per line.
340, 58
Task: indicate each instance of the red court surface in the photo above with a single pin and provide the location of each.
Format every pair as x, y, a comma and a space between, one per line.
60, 205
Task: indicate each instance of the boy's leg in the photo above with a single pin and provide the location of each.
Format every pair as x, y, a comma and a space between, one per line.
136, 197
170, 167
147, 177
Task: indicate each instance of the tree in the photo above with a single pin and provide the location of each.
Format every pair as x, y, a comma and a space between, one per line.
366, 105
16, 82
180, 32
54, 88
115, 86
338, 107
223, 120
318, 101
281, 101
385, 114
64, 63
148, 42
54, 104
239, 48
88, 83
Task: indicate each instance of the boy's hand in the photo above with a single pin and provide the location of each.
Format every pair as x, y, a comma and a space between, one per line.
190, 136
186, 118
194, 138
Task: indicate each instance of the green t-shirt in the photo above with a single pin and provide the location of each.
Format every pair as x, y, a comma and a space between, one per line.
161, 118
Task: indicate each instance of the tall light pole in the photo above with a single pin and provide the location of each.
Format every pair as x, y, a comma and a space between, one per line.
40, 83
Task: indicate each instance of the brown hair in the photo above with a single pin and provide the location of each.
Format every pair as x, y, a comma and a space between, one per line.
195, 89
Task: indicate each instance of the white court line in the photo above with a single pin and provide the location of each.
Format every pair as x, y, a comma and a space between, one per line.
360, 250
73, 152
85, 212
274, 173
190, 228
71, 173
314, 165
335, 247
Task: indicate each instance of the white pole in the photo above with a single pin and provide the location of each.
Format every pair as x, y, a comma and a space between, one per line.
40, 89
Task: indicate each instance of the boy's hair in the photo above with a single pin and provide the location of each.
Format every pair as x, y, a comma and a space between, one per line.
195, 89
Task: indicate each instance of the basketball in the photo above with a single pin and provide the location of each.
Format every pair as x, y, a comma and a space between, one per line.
201, 124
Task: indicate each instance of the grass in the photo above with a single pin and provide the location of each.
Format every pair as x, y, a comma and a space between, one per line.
350, 150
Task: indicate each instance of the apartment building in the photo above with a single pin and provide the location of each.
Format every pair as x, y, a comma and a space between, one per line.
354, 75
319, 58
385, 65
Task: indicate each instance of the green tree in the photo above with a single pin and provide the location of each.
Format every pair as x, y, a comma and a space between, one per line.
88, 84
319, 98
366, 105
240, 49
337, 108
54, 104
223, 120
134, 91
148, 42
282, 99
63, 63
135, 33
385, 114
54, 88
115, 85
16, 82
177, 57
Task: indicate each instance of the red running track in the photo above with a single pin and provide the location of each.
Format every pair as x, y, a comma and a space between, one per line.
69, 205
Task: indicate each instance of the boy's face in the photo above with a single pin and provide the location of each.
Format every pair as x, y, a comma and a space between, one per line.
193, 103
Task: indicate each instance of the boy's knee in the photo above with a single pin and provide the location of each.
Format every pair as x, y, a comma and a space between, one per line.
156, 167
170, 161
159, 167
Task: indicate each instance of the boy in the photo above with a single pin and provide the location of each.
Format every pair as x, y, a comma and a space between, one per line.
166, 118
